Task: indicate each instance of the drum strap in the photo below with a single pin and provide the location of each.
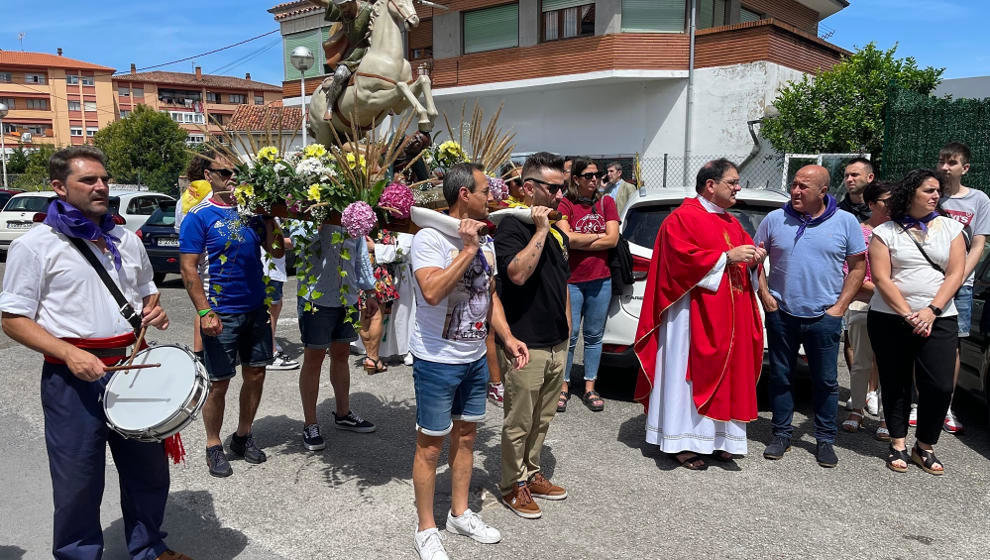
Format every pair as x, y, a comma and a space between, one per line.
123, 306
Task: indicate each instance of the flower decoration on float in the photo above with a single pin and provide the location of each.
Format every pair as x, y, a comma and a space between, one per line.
397, 199
358, 219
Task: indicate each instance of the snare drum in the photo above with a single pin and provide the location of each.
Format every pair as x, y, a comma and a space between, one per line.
152, 404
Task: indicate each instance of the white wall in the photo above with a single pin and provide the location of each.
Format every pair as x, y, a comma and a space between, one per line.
622, 117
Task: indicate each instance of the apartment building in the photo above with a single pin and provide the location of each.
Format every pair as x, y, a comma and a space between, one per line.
53, 99
604, 77
201, 103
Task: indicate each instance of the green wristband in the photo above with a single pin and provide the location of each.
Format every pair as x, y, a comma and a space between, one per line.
204, 312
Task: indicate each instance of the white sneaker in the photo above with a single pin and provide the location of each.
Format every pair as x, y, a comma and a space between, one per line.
429, 545
470, 524
951, 423
873, 403
408, 360
282, 362
913, 417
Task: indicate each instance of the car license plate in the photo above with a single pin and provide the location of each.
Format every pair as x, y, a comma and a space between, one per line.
19, 225
167, 242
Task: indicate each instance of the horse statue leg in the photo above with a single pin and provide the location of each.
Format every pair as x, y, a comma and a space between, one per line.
425, 118
424, 85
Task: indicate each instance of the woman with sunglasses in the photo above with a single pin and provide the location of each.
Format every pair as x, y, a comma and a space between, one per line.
591, 223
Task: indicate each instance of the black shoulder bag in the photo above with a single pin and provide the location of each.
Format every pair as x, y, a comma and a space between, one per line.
620, 263
923, 253
123, 306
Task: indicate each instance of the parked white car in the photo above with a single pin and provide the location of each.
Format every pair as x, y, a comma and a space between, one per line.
17, 216
640, 223
137, 206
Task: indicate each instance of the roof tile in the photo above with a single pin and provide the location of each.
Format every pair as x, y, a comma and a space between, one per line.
265, 117
45, 60
188, 79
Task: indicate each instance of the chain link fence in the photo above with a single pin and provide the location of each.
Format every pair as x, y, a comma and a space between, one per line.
763, 171
917, 126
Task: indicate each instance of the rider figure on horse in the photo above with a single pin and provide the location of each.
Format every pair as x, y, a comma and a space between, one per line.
349, 43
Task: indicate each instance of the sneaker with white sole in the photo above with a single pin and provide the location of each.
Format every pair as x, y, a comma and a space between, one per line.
951, 423
496, 394
408, 360
429, 545
470, 524
282, 362
352, 422
913, 417
312, 439
873, 403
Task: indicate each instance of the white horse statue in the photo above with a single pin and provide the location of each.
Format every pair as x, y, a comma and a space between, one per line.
382, 83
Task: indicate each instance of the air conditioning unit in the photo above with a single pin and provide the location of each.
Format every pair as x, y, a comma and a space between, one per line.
26, 137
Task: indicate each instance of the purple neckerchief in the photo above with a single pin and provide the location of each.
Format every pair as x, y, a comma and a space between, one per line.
70, 221
922, 223
806, 220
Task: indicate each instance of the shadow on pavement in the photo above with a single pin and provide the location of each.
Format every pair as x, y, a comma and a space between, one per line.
972, 413
11, 552
190, 520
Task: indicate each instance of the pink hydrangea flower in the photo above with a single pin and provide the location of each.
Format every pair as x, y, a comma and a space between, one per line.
498, 188
358, 219
398, 198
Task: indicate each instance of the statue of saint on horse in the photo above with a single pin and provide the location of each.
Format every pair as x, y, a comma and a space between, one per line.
370, 75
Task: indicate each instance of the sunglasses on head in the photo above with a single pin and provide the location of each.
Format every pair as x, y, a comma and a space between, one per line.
589, 175
225, 173
552, 188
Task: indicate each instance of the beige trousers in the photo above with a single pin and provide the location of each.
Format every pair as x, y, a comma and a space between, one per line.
530, 403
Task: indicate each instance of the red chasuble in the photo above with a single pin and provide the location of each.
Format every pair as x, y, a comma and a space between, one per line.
726, 353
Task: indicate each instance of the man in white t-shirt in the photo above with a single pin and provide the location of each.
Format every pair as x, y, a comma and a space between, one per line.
971, 208
455, 304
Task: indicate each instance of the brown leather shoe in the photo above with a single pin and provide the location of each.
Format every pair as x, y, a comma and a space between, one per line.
173, 555
521, 502
540, 487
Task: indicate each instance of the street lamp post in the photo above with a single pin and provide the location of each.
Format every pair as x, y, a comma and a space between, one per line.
3, 147
302, 60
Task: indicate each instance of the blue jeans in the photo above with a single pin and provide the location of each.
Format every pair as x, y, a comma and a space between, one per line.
964, 306
589, 301
820, 336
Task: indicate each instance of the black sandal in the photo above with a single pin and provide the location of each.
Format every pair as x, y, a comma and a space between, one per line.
692, 462
593, 401
897, 455
926, 460
377, 366
562, 401
723, 456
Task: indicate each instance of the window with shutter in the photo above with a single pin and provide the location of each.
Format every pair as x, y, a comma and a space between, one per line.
712, 13
656, 16
491, 28
562, 19
746, 15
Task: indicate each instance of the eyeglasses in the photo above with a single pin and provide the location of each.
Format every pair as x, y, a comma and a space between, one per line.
225, 173
732, 183
552, 188
589, 175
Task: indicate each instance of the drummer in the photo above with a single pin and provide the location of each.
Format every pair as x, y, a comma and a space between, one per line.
53, 301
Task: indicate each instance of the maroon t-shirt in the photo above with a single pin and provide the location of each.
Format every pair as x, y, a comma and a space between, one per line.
588, 265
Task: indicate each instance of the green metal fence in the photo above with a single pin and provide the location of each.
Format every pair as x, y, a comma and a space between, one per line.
917, 126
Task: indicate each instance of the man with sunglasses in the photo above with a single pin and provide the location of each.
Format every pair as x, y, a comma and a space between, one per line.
231, 304
615, 187
532, 284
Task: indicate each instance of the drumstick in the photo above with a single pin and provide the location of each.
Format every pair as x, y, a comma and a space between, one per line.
129, 366
152, 301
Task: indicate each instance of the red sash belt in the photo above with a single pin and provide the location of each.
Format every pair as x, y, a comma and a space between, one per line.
110, 350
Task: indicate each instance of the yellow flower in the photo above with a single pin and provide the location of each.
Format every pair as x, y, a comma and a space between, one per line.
245, 190
452, 149
268, 153
353, 161
315, 150
313, 193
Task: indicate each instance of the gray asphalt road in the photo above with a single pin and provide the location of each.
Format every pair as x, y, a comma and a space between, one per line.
355, 499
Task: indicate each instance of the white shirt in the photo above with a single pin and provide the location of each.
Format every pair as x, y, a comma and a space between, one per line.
49, 281
454, 330
914, 277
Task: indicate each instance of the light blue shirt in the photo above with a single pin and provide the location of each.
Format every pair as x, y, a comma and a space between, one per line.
326, 257
805, 274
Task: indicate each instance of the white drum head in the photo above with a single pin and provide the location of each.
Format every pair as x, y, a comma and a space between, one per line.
138, 399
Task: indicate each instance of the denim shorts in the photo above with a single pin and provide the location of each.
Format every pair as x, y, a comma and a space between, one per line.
448, 392
245, 338
321, 326
964, 305
277, 294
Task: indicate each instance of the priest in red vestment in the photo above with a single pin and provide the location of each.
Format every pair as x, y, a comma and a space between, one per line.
700, 337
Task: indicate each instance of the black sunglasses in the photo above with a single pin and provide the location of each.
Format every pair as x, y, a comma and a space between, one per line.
225, 173
589, 175
552, 188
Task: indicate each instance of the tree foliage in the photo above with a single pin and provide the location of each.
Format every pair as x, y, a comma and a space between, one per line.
146, 147
31, 167
842, 109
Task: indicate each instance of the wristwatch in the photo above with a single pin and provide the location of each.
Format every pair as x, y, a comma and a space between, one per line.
936, 310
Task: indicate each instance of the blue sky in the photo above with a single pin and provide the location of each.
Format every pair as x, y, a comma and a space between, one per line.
941, 33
